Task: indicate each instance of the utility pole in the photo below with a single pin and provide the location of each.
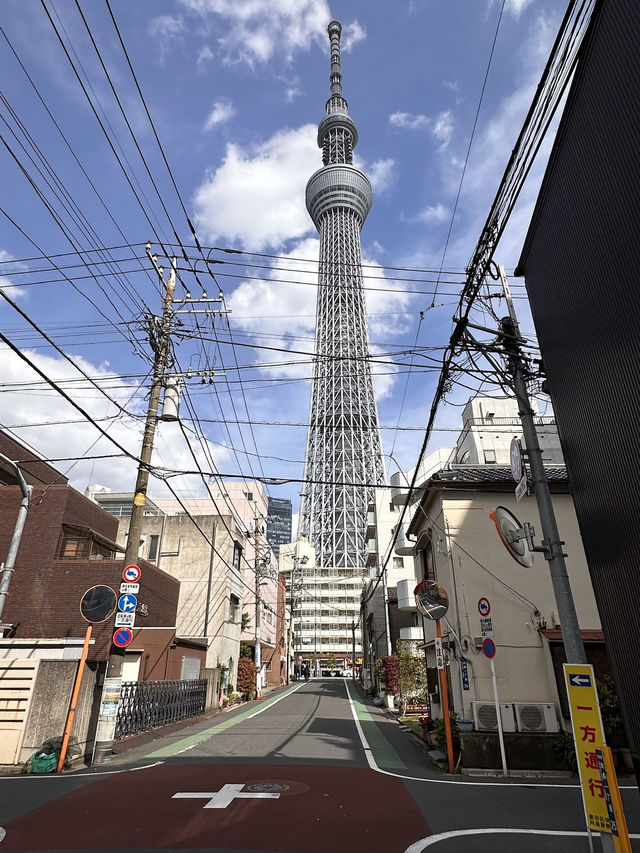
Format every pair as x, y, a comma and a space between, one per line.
552, 545
8, 566
258, 652
160, 339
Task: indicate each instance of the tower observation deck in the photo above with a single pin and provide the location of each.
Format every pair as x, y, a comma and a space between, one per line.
344, 454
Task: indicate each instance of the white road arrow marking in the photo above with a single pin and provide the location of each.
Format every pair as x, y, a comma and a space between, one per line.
225, 796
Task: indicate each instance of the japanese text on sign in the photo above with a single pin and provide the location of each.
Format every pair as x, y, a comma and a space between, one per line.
588, 737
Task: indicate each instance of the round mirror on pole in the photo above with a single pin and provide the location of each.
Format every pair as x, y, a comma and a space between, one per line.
431, 599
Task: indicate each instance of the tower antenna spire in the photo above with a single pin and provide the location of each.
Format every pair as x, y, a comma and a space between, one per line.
335, 29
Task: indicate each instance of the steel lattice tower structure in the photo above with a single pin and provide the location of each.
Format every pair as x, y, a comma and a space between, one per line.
343, 447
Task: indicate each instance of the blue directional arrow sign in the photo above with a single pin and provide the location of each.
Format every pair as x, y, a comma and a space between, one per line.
127, 603
578, 679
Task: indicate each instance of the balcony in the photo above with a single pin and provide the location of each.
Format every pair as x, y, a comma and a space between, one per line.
413, 633
406, 598
372, 551
371, 524
399, 488
404, 546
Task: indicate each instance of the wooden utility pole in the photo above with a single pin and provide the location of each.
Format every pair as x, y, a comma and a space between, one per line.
160, 332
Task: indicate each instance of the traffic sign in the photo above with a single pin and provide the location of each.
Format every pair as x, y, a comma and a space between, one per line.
131, 574
464, 671
127, 603
439, 653
579, 679
486, 626
588, 736
125, 620
122, 637
521, 489
130, 587
484, 608
515, 457
488, 648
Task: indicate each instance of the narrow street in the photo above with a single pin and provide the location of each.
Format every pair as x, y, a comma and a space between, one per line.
315, 767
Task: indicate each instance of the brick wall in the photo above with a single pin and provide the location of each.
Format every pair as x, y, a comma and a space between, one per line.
44, 595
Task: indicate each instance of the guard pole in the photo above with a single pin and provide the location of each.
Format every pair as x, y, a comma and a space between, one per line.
445, 707
74, 699
503, 754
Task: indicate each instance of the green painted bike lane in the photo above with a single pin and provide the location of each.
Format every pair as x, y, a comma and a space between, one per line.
383, 751
193, 740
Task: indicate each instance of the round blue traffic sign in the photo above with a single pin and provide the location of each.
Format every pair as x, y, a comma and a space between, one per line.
122, 637
127, 603
488, 647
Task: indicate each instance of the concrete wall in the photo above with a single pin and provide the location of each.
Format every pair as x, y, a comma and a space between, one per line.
50, 705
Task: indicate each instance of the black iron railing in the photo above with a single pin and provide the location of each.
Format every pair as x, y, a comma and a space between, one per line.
148, 705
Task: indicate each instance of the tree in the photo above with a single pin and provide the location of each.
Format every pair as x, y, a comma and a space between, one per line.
412, 674
387, 667
331, 661
246, 678
246, 651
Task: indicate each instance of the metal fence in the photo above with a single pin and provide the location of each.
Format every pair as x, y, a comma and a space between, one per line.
148, 705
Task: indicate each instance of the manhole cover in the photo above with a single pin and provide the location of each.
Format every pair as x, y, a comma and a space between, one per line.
267, 788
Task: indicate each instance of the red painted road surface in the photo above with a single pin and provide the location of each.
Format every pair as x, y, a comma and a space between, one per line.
325, 810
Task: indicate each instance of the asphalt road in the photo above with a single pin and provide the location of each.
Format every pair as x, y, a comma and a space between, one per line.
315, 768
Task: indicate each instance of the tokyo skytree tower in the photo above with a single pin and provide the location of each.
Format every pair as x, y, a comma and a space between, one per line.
343, 446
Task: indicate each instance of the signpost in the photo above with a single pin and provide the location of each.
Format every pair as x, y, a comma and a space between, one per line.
489, 651
588, 736
433, 602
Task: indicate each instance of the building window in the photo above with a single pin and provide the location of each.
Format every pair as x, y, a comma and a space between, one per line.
80, 544
153, 547
237, 554
398, 563
490, 457
393, 507
234, 607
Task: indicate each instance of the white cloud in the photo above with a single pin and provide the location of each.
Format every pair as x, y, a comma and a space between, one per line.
286, 313
352, 34
256, 197
256, 29
409, 120
380, 174
222, 111
13, 291
165, 30
24, 403
205, 55
516, 7
432, 214
443, 128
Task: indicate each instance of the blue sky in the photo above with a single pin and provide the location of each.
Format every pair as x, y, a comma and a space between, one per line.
235, 90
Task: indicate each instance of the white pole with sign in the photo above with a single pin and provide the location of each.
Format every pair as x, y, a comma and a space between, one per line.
489, 650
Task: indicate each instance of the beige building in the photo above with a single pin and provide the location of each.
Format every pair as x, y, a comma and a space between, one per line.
209, 545
448, 536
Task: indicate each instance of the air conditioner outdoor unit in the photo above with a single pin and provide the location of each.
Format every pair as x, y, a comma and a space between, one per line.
536, 717
485, 719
